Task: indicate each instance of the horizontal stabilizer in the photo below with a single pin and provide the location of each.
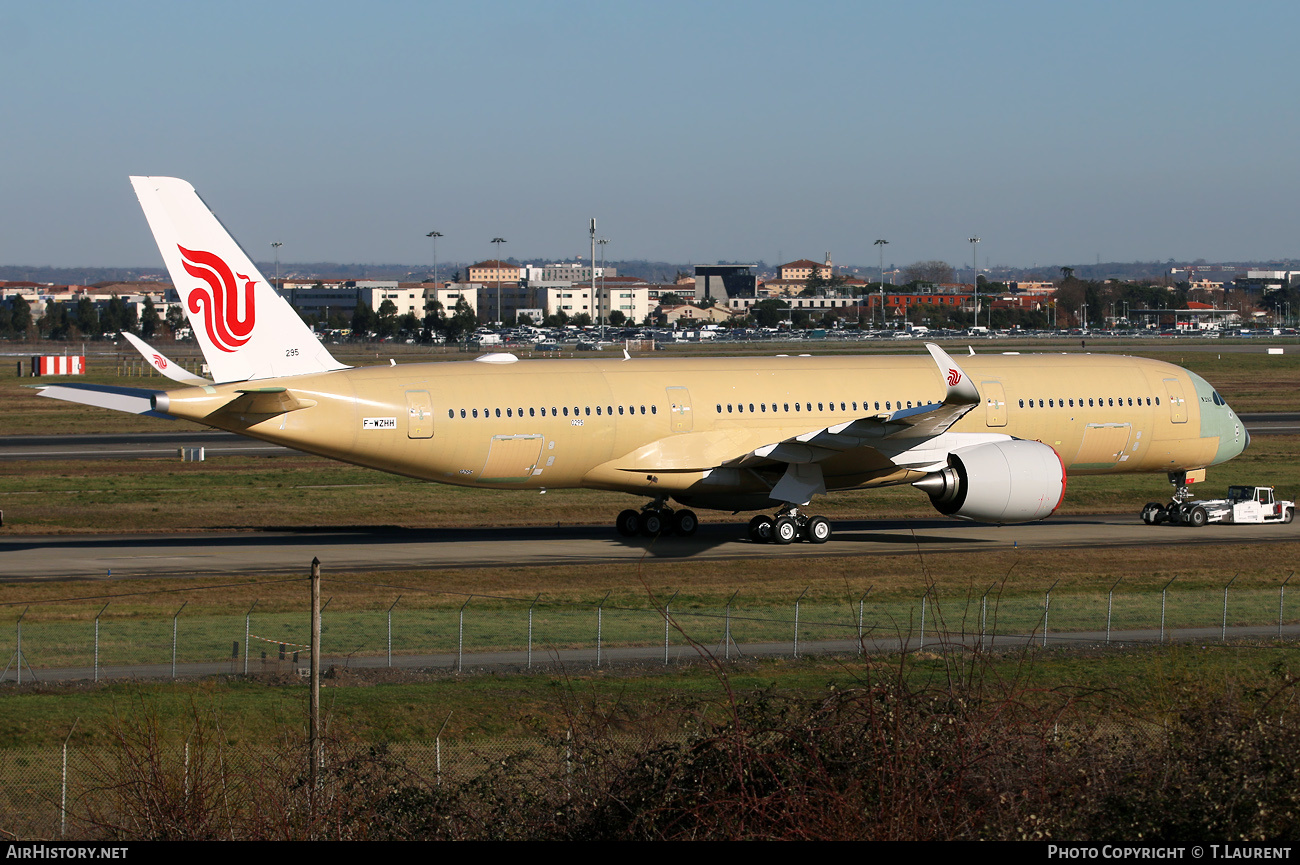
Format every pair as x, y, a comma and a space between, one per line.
133, 400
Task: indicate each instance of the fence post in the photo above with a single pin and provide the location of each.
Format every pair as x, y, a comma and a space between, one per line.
174, 618
315, 748
18, 654
247, 617
600, 624
460, 635
983, 617
1110, 605
1047, 604
437, 751
530, 629
923, 601
1281, 599
796, 621
861, 605
97, 615
726, 634
63, 784
390, 630
667, 623
1162, 607
1223, 633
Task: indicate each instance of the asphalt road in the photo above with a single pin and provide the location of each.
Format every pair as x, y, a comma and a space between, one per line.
53, 557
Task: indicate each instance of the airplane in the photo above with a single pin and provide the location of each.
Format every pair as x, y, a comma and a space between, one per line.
992, 439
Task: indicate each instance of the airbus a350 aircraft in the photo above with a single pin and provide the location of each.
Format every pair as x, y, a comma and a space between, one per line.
991, 439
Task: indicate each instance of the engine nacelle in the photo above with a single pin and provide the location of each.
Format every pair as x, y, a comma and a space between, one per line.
1001, 482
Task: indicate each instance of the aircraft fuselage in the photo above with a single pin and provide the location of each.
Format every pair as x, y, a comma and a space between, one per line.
667, 426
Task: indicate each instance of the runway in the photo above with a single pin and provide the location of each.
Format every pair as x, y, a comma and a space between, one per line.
126, 446
54, 557
151, 445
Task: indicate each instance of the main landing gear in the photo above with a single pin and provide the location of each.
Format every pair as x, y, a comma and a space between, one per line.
656, 519
789, 526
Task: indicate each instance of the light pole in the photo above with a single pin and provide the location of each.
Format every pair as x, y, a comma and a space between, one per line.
880, 245
975, 281
428, 306
434, 235
603, 241
591, 263
498, 241
275, 244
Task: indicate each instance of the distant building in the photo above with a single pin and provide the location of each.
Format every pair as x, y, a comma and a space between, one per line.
720, 282
494, 271
803, 270
563, 272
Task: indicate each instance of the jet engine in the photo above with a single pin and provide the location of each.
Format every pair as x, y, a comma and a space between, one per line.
1001, 482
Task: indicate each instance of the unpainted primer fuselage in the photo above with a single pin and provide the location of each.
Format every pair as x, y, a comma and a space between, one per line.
669, 426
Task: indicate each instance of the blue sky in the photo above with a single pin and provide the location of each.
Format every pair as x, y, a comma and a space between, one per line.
693, 131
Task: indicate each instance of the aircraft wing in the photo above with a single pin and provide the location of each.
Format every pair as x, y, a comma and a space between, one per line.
915, 438
890, 433
911, 438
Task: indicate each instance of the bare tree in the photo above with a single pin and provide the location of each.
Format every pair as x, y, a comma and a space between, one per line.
928, 271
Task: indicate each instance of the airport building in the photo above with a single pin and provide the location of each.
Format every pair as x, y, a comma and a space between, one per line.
721, 282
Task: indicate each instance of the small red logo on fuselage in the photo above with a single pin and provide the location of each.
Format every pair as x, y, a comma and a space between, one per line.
228, 326
953, 377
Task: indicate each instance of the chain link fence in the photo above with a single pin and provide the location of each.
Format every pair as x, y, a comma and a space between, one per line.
53, 793
206, 636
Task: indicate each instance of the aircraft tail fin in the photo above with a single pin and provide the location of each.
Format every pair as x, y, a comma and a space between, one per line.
245, 329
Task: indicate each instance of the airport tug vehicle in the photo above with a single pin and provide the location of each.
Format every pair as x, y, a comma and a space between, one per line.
1244, 504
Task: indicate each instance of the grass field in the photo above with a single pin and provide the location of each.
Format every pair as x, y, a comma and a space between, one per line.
395, 708
233, 492
136, 616
240, 492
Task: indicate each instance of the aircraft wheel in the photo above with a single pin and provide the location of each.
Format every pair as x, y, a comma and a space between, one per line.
818, 530
1198, 517
652, 523
760, 529
685, 523
628, 523
1152, 512
784, 531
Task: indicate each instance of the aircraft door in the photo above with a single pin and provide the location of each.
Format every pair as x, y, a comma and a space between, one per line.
419, 414
679, 413
995, 403
1177, 404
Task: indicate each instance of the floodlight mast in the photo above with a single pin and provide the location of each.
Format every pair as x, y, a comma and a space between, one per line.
881, 244
498, 241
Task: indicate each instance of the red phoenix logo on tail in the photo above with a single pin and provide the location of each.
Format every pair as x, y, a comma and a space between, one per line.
228, 326
953, 377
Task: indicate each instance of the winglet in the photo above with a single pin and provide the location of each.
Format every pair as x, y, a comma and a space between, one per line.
162, 363
960, 389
